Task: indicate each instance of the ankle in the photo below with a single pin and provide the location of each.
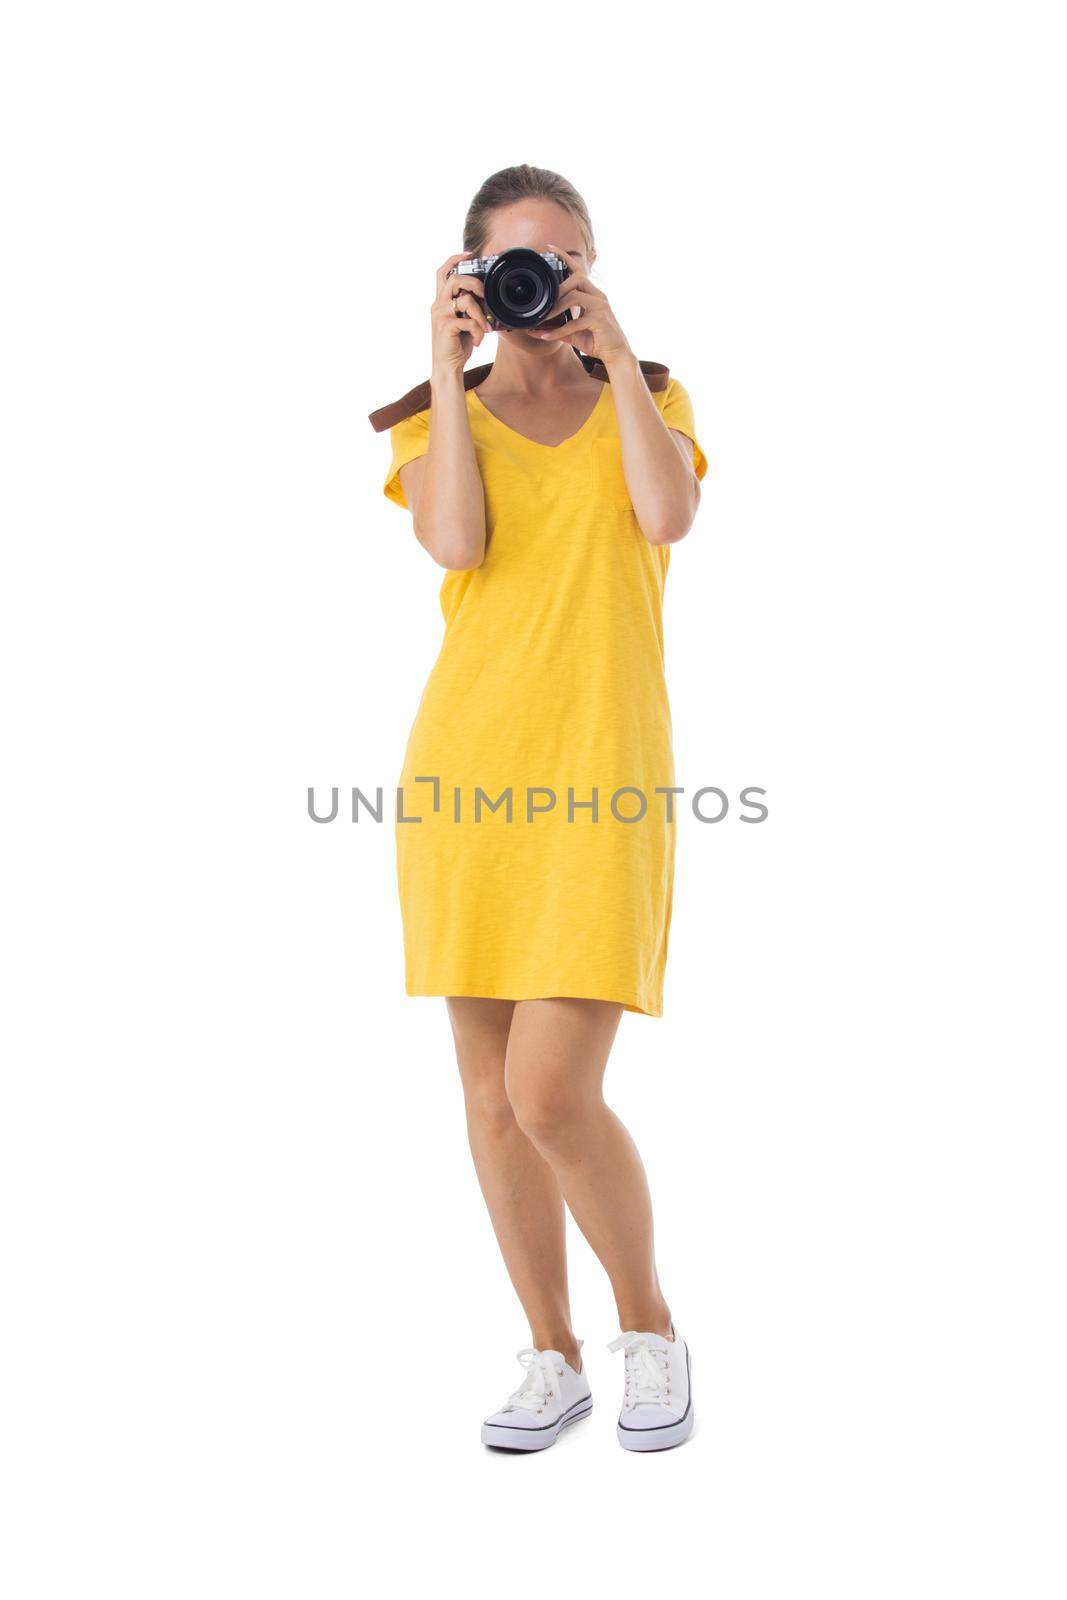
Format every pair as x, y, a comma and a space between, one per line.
566, 1344
647, 1319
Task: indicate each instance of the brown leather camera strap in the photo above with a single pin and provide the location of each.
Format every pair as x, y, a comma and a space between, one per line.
657, 376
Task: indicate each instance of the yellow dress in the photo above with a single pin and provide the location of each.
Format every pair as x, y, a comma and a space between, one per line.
539, 857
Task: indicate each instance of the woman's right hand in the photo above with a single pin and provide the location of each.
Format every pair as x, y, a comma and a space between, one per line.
454, 336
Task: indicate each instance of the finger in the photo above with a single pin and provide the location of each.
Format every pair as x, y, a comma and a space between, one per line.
587, 313
446, 303
472, 323
472, 308
466, 331
572, 299
463, 280
578, 275
569, 315
462, 328
584, 324
453, 261
581, 281
569, 334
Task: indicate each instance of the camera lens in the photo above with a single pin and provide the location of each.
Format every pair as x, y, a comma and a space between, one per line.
520, 289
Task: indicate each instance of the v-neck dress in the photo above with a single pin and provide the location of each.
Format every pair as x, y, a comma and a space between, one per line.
534, 836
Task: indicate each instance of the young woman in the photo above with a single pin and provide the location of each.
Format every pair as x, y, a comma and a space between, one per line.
535, 871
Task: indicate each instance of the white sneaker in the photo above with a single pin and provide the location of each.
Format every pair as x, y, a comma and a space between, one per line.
657, 1407
551, 1397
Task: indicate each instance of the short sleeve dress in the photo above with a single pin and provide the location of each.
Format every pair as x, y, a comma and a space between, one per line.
534, 824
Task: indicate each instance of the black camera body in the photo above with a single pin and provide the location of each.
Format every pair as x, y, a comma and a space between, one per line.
521, 286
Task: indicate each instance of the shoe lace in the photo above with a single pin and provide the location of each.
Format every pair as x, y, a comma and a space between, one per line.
541, 1382
647, 1371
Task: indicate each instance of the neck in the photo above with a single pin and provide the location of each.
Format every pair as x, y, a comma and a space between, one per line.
526, 366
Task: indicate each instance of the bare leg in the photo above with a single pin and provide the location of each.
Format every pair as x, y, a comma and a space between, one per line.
522, 1194
556, 1054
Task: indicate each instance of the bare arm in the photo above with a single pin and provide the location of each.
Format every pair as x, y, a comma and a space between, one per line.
657, 459
444, 487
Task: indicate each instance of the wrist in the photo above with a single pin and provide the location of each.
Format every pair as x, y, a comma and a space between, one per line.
443, 380
620, 361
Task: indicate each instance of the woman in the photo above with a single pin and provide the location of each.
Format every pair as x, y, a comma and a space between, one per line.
535, 833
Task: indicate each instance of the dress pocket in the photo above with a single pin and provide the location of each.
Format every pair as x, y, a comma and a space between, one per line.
609, 479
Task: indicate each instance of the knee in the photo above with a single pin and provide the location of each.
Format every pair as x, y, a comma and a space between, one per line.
488, 1108
545, 1106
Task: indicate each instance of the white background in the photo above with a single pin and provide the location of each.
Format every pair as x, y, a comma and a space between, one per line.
255, 1312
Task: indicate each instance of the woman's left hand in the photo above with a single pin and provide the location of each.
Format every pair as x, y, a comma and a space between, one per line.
596, 332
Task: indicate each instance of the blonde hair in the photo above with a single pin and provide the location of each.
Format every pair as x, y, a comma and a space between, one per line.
521, 183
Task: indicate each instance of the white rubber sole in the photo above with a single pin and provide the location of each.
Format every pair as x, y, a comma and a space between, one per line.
519, 1438
656, 1438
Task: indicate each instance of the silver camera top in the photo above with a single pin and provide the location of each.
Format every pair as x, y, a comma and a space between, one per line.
477, 265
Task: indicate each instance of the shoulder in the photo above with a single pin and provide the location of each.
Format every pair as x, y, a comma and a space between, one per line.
408, 439
676, 409
418, 422
675, 397
672, 397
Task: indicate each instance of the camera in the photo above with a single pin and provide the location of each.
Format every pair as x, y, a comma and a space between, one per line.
521, 286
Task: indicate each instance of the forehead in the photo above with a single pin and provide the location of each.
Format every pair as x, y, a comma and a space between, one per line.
534, 224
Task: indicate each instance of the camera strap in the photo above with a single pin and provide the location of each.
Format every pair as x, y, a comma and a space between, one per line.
656, 375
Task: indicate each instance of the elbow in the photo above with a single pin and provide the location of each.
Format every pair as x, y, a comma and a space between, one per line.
458, 560
675, 525
454, 551
670, 533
